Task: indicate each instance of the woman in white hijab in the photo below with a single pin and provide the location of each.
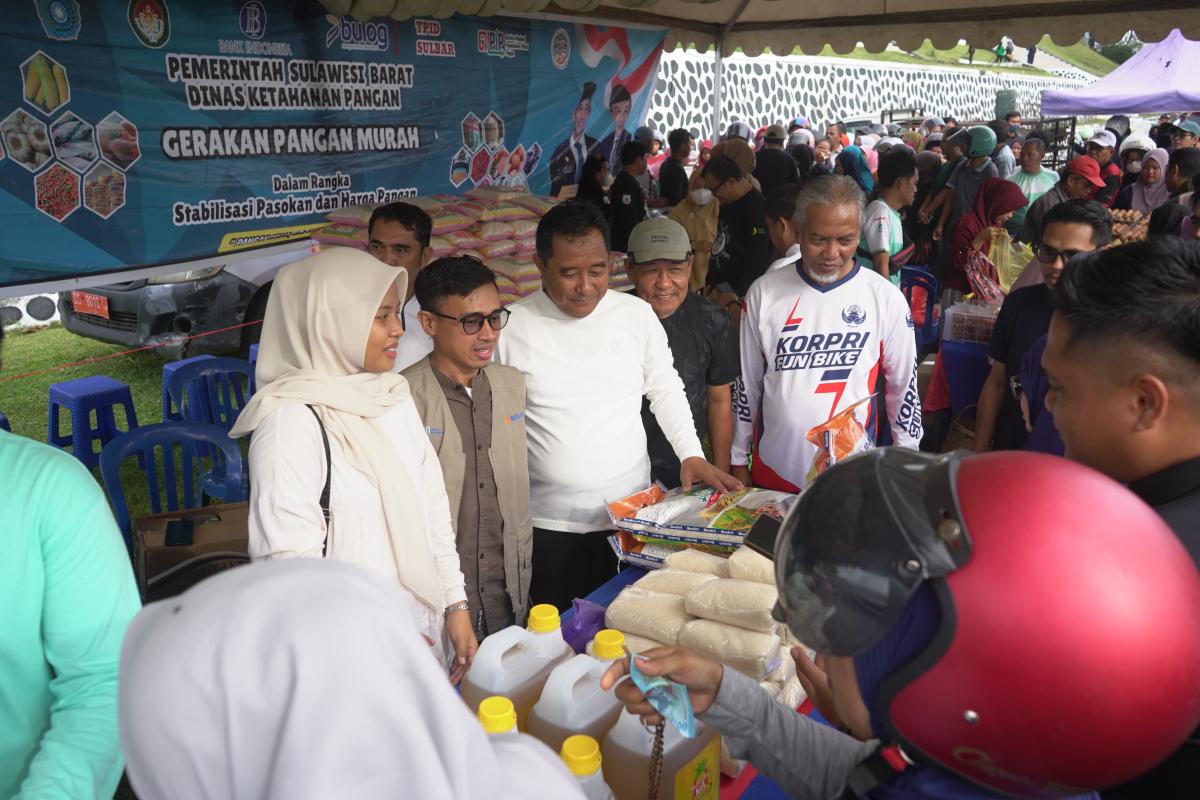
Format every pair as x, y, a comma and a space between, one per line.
303, 679
328, 342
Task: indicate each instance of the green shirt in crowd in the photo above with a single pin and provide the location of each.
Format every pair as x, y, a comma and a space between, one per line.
67, 594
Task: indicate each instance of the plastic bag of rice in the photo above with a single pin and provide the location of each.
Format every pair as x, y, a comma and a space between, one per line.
674, 581
745, 604
654, 615
692, 560
749, 652
747, 565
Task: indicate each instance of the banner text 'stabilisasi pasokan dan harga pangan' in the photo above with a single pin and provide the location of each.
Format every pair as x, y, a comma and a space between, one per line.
145, 132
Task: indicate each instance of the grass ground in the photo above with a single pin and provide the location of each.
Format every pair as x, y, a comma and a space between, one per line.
1080, 55
25, 399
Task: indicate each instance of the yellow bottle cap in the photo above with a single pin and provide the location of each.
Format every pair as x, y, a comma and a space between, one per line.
608, 645
544, 618
581, 754
498, 715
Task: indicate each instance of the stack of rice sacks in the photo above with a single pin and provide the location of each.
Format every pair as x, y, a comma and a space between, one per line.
497, 226
718, 607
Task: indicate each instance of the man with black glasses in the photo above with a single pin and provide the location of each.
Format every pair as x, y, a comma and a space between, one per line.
1069, 228
474, 413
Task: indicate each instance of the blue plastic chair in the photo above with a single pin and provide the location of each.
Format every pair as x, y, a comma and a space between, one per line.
4, 423
179, 486
169, 412
253, 366
967, 368
212, 390
912, 278
80, 397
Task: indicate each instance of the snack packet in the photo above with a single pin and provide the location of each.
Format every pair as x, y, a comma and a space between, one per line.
838, 438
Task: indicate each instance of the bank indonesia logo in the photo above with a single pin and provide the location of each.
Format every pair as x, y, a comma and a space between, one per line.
854, 315
253, 20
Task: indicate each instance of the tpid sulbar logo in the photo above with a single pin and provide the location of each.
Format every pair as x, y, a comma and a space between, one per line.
356, 35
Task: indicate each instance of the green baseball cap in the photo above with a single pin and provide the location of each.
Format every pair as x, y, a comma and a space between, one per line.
659, 239
1188, 126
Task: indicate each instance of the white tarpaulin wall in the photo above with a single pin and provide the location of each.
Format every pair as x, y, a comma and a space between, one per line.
782, 25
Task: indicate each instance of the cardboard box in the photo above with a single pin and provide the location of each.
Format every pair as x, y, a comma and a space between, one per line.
220, 529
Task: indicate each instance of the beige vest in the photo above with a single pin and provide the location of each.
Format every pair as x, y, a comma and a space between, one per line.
509, 456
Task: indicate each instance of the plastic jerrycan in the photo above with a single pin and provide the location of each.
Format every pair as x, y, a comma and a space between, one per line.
691, 767
572, 700
497, 716
581, 754
516, 662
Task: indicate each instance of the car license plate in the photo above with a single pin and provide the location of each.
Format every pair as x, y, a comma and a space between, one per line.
87, 303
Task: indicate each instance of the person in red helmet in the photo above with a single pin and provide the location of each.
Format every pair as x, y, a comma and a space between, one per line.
983, 637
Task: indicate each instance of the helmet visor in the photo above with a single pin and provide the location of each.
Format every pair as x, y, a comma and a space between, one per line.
860, 540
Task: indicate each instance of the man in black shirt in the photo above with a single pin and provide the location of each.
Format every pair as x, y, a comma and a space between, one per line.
742, 249
1123, 361
703, 343
672, 177
1076, 226
774, 166
626, 198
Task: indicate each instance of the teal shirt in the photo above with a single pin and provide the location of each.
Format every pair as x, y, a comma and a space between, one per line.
66, 596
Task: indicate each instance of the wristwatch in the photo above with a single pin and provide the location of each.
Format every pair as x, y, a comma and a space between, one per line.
461, 606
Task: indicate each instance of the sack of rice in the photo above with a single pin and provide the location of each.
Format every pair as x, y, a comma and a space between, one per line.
674, 581
692, 560
745, 604
654, 615
754, 654
747, 565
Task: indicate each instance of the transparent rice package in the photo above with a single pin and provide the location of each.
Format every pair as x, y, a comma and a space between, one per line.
746, 604
674, 581
654, 615
693, 560
747, 565
754, 654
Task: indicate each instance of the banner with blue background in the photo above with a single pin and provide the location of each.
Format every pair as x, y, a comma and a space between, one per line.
156, 132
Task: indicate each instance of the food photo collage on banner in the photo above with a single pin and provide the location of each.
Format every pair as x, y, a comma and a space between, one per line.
157, 132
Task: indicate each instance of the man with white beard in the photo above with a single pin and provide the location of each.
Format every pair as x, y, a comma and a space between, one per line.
817, 337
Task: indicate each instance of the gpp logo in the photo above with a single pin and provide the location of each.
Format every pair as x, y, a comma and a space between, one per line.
253, 20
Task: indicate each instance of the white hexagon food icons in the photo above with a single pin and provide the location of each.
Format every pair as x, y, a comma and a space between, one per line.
118, 139
74, 142
26, 140
56, 192
104, 190
45, 83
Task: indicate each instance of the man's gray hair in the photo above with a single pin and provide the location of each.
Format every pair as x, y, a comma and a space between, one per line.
828, 190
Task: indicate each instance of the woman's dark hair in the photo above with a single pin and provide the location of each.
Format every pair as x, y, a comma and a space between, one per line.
453, 276
571, 219
408, 215
678, 138
1083, 212
723, 168
1145, 291
781, 203
895, 164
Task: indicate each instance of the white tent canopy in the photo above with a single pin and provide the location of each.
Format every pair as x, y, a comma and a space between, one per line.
782, 25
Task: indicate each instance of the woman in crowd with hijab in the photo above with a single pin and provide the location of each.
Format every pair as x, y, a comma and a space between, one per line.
592, 184
342, 468
980, 227
1150, 190
852, 162
290, 680
914, 140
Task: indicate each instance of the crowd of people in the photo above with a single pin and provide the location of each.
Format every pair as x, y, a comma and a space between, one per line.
455, 456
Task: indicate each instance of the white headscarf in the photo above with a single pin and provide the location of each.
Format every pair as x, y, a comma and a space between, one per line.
300, 678
314, 341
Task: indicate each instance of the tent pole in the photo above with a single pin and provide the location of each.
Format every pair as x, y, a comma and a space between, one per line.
717, 90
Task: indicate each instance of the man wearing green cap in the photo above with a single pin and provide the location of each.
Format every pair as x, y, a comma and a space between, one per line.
703, 343
1185, 134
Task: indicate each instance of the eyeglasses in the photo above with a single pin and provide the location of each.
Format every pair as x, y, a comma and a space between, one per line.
1048, 255
473, 323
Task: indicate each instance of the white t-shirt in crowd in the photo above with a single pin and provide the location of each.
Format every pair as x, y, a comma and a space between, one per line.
287, 459
809, 352
415, 344
585, 380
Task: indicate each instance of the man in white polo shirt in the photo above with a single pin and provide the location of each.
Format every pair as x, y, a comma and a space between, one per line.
589, 356
817, 337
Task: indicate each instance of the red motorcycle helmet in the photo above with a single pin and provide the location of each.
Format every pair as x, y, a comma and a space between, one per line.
1067, 657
